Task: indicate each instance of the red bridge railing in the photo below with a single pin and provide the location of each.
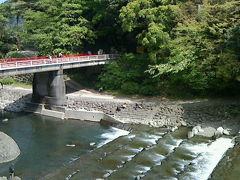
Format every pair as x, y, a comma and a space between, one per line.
15, 63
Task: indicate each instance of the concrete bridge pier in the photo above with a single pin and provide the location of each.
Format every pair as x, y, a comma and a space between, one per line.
56, 89
49, 88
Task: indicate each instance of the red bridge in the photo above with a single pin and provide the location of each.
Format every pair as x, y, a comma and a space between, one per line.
16, 66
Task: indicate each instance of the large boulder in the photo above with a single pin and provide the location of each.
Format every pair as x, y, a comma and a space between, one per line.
14, 178
9, 149
207, 132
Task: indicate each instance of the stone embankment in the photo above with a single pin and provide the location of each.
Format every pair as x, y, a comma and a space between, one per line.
14, 99
14, 178
217, 113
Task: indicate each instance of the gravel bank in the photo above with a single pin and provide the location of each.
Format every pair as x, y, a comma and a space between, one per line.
14, 99
160, 114
214, 113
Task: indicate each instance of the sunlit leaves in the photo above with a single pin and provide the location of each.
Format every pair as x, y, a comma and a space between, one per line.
59, 25
205, 49
152, 21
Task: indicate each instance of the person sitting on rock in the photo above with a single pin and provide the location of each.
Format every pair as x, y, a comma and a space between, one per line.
100, 89
138, 106
124, 106
11, 172
118, 108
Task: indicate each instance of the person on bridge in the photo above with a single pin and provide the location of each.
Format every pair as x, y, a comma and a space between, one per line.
60, 55
100, 51
50, 58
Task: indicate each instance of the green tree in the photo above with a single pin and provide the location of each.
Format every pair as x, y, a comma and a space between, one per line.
204, 53
128, 75
59, 26
6, 39
152, 22
104, 17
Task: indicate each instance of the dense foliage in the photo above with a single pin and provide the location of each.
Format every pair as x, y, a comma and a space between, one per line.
6, 40
167, 46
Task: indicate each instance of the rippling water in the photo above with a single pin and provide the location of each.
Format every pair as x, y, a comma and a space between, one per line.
152, 154
47, 144
144, 153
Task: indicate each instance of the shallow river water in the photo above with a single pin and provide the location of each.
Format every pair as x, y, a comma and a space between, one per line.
47, 143
55, 149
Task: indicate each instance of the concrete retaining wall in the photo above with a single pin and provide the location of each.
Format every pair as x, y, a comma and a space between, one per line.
39, 109
95, 116
51, 113
84, 115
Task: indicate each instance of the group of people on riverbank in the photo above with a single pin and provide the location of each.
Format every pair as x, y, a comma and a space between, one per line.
124, 106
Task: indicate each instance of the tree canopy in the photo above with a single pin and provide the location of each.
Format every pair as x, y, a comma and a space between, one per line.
192, 45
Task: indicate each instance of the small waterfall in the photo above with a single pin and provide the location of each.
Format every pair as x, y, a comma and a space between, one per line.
113, 133
207, 159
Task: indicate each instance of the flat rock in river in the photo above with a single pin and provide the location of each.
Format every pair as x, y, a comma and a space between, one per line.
207, 132
9, 149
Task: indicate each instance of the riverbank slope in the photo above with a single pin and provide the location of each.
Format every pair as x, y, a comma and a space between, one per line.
154, 112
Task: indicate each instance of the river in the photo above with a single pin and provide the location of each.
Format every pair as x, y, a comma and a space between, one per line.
47, 143
85, 150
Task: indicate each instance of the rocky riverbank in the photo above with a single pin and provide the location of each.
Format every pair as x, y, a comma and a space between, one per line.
214, 113
221, 113
14, 99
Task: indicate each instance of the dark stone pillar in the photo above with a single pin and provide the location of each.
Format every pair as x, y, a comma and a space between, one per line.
40, 87
57, 90
49, 88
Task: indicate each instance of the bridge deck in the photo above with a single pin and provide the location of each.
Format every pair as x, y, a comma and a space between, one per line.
40, 64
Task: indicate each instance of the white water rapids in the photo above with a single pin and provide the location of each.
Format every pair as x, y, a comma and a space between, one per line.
113, 133
209, 156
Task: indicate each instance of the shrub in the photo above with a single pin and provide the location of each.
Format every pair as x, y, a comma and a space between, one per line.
14, 54
7, 81
130, 87
148, 90
112, 78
